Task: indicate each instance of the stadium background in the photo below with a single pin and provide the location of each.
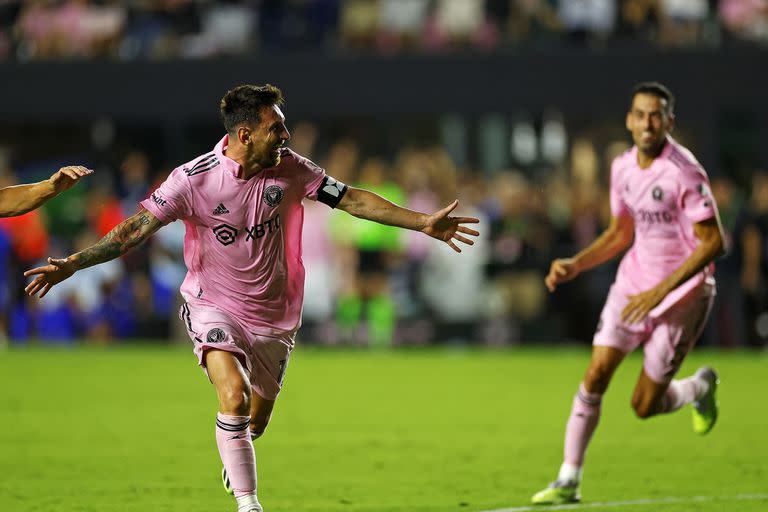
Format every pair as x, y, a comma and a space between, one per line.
516, 107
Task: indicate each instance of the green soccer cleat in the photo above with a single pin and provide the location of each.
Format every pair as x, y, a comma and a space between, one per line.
225, 482
705, 409
558, 493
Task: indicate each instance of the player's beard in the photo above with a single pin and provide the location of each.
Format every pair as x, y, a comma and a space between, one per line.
652, 146
270, 158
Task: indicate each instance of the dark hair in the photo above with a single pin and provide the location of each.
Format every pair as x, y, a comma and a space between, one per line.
657, 89
242, 104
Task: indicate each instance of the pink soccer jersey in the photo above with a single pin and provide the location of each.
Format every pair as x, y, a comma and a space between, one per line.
242, 246
665, 200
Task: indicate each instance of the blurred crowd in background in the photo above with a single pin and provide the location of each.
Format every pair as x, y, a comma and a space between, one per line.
131, 29
373, 285
539, 190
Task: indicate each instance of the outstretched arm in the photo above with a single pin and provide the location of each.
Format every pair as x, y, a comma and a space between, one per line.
710, 235
615, 239
123, 237
367, 205
20, 199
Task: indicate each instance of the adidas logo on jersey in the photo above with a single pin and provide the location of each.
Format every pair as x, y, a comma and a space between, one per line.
220, 210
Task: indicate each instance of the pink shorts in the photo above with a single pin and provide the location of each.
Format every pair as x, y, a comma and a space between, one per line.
666, 339
264, 358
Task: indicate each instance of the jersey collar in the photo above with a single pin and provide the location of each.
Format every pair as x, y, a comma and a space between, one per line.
668, 147
230, 165
664, 155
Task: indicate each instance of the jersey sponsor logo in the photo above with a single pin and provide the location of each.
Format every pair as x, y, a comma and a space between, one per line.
225, 233
273, 195
220, 210
657, 193
215, 335
654, 217
206, 163
158, 200
259, 230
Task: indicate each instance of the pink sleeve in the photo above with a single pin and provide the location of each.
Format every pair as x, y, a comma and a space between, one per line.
695, 199
310, 176
618, 207
171, 200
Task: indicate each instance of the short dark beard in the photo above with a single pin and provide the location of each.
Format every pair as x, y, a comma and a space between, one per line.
656, 149
269, 161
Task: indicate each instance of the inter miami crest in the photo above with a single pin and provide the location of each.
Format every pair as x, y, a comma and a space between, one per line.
225, 233
273, 194
215, 335
657, 193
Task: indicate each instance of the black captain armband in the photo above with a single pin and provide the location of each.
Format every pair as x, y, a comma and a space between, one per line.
331, 191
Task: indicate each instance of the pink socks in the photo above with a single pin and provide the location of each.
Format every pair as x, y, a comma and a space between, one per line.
681, 392
582, 423
233, 438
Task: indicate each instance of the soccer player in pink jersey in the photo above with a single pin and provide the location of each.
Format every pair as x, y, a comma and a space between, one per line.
20, 199
241, 205
664, 288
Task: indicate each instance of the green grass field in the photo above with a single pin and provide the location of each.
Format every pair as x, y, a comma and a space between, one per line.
131, 429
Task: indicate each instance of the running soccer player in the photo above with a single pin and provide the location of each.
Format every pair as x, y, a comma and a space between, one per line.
20, 199
241, 204
664, 287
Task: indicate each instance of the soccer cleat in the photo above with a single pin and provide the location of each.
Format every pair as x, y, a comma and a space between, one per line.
251, 504
705, 409
558, 492
225, 482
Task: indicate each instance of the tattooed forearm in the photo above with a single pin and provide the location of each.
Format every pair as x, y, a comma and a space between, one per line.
121, 239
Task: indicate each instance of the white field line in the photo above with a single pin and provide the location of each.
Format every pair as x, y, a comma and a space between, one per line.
629, 503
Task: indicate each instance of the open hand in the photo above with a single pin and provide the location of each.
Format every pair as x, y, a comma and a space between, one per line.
441, 226
641, 304
55, 272
561, 271
66, 177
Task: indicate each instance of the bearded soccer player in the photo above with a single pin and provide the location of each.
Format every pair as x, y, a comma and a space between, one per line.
241, 205
664, 288
20, 199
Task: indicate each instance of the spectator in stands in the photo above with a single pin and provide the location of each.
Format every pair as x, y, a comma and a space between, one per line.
358, 24
368, 302
134, 181
682, 22
726, 326
754, 266
460, 316
588, 21
745, 20
401, 24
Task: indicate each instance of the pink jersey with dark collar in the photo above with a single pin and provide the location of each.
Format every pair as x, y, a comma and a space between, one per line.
242, 246
665, 200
